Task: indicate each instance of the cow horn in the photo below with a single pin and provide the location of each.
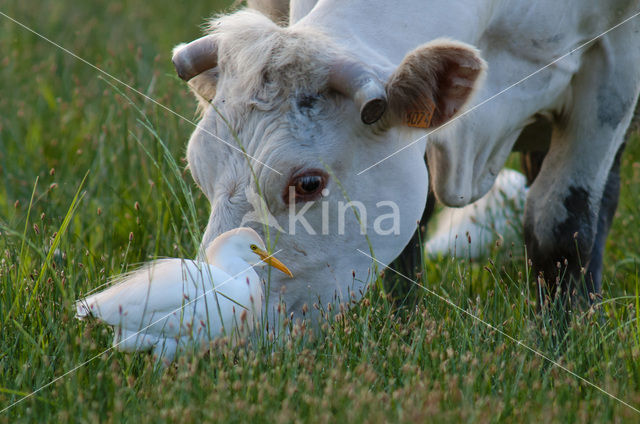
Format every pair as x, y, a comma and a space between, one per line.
354, 80
196, 57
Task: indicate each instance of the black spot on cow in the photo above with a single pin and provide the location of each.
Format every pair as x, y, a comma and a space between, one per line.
571, 245
555, 39
544, 43
612, 106
580, 218
307, 101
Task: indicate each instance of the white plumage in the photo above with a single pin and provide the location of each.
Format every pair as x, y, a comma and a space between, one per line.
171, 303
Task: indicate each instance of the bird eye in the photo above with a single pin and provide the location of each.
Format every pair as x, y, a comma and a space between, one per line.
306, 187
253, 247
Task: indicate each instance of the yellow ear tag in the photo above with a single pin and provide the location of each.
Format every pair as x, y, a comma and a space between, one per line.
420, 118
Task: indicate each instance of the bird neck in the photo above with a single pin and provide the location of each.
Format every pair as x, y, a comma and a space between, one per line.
233, 265
241, 271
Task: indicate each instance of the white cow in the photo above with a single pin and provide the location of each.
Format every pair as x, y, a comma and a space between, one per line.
354, 83
585, 196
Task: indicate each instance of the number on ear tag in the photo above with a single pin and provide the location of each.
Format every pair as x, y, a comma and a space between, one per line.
420, 118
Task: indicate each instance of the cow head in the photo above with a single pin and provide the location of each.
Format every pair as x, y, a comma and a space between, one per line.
289, 118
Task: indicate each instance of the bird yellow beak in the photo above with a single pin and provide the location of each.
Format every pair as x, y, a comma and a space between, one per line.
270, 260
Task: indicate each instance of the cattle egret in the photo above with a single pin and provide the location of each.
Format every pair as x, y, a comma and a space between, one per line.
171, 303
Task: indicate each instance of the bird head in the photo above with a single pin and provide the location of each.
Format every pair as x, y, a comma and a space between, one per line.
243, 243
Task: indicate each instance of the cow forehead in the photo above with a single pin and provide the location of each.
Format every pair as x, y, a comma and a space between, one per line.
226, 155
261, 63
233, 129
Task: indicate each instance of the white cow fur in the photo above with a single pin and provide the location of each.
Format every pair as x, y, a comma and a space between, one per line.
516, 38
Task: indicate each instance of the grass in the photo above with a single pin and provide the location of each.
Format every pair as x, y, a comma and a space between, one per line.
93, 181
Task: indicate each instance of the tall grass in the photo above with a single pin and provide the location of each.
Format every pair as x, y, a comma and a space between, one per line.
94, 182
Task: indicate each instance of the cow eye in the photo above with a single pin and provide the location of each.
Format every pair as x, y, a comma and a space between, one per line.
306, 187
308, 184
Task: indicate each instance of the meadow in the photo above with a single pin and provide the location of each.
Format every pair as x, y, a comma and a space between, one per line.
93, 181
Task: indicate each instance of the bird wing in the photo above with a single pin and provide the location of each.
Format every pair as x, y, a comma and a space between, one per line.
171, 298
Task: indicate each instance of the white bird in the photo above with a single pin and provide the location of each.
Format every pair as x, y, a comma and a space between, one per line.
172, 303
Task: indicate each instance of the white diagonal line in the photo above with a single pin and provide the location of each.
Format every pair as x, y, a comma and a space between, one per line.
69, 52
581, 46
518, 342
71, 371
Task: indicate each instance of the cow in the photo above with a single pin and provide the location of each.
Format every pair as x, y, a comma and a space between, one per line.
583, 257
277, 10
340, 107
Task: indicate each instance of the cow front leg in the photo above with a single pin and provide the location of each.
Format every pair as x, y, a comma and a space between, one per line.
566, 270
571, 202
560, 231
608, 207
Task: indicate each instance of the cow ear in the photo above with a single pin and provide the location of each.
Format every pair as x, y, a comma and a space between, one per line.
433, 83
